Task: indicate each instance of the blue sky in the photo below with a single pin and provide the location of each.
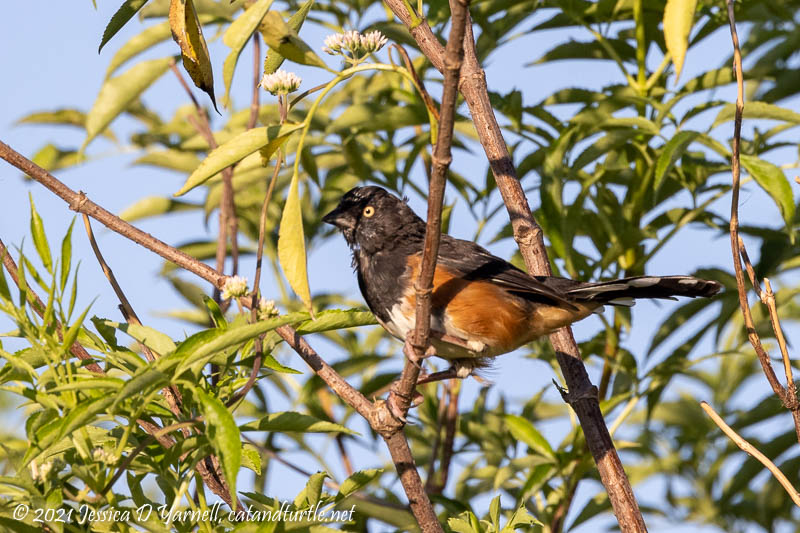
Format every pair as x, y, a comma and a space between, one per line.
50, 61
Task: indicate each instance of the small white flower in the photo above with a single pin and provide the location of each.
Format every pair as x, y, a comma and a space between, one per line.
266, 309
235, 287
39, 473
280, 82
373, 41
101, 456
339, 43
354, 43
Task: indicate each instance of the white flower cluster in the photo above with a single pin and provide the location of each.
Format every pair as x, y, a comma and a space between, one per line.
280, 82
102, 456
235, 287
354, 43
266, 309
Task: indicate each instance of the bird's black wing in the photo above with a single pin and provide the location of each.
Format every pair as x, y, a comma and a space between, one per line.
473, 262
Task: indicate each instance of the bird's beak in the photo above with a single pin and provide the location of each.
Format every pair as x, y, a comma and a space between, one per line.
341, 219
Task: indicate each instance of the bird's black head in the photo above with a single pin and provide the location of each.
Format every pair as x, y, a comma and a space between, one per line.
372, 219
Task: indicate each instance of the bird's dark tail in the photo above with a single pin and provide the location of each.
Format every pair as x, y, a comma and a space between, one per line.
623, 291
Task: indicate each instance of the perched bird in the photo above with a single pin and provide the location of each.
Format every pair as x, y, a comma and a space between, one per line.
481, 306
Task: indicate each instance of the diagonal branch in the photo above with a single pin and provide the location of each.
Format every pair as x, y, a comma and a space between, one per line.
753, 452
528, 235
79, 202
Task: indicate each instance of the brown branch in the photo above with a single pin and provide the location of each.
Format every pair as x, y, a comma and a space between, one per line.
79, 202
753, 452
787, 396
402, 391
528, 235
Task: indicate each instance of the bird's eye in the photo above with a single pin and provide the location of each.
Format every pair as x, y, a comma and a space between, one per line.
369, 211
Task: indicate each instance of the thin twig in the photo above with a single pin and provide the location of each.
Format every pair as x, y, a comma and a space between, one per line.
426, 97
751, 273
769, 300
228, 223
451, 422
787, 396
752, 451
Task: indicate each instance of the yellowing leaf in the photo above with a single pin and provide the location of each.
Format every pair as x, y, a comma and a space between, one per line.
274, 60
678, 18
279, 36
237, 35
188, 33
292, 246
236, 149
119, 92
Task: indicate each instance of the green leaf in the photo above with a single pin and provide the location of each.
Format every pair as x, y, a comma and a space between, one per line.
331, 319
279, 36
269, 138
137, 44
357, 481
678, 18
195, 354
274, 59
292, 245
756, 110
270, 362
671, 152
40, 238
251, 458
143, 383
772, 179
66, 255
119, 92
224, 437
188, 33
126, 11
153, 206
155, 340
494, 512
522, 430
290, 421
313, 489
237, 35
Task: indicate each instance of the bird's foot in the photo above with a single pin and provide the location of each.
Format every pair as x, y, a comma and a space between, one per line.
398, 400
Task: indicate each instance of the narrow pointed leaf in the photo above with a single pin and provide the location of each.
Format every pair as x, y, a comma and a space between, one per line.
773, 180
279, 36
40, 238
269, 138
292, 245
66, 255
672, 151
678, 18
224, 437
188, 33
119, 92
126, 11
274, 59
237, 35
290, 422
523, 430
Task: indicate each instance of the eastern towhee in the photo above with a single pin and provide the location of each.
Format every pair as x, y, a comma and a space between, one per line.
482, 306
